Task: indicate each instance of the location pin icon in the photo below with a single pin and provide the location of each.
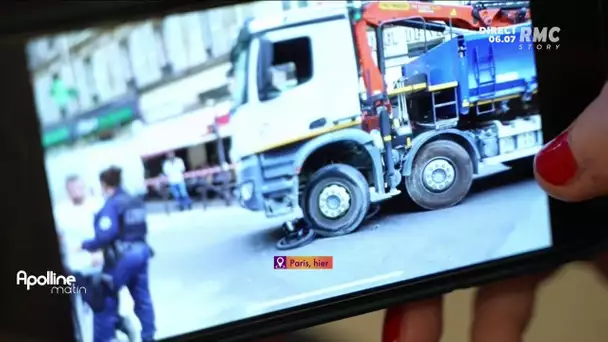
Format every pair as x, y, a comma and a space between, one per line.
279, 262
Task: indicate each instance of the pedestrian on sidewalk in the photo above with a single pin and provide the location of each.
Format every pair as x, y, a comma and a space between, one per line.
173, 169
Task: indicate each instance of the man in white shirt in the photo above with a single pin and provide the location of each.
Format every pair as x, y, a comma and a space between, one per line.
74, 221
173, 169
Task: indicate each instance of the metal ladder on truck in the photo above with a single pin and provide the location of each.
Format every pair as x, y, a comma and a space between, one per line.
445, 122
485, 63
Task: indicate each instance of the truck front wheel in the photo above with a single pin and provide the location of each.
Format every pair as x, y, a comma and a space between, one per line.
441, 176
336, 200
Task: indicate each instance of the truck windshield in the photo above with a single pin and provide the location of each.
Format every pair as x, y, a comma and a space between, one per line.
239, 56
239, 95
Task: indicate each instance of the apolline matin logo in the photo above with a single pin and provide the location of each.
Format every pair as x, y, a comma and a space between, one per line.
59, 284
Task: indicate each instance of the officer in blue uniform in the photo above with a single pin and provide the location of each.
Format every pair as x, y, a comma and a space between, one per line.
94, 297
120, 232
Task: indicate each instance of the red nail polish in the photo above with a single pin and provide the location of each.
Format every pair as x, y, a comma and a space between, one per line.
555, 163
391, 329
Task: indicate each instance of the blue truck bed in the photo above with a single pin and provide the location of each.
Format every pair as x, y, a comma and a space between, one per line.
491, 68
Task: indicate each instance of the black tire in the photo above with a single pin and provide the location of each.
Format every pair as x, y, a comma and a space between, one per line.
372, 212
355, 185
302, 238
459, 160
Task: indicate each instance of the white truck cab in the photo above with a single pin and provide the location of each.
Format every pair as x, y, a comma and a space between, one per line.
296, 104
312, 84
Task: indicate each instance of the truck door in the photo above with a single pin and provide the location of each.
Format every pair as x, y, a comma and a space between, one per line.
309, 85
281, 102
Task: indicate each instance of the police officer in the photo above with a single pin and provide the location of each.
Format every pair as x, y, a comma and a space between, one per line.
96, 286
120, 232
74, 223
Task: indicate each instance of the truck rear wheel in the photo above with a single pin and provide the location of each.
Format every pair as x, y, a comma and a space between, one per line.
336, 200
441, 176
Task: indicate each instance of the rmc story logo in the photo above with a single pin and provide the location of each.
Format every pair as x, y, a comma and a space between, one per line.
530, 38
59, 284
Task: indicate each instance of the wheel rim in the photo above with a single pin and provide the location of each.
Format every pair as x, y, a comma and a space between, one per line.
334, 201
438, 175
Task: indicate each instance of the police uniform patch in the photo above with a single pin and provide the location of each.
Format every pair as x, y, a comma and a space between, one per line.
105, 223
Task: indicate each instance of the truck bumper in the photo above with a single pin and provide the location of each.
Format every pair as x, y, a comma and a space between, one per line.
258, 191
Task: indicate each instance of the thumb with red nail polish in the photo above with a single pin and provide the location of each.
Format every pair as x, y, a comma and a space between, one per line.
574, 166
420, 321
391, 329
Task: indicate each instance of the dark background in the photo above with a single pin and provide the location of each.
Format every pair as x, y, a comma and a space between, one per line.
42, 18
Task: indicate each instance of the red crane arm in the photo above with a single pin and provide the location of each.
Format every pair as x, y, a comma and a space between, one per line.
466, 17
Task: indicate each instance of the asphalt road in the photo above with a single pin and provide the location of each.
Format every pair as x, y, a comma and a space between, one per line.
217, 265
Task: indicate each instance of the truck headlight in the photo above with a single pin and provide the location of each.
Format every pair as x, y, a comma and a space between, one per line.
246, 191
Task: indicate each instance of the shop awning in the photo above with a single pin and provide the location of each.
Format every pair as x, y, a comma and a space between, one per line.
102, 118
179, 132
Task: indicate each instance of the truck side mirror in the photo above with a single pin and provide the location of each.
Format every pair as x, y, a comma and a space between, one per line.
264, 71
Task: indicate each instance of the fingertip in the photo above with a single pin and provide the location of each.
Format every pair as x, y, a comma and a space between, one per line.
504, 309
569, 183
572, 167
391, 327
555, 164
568, 193
420, 321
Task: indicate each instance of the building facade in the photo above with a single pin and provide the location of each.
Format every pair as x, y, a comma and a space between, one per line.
105, 64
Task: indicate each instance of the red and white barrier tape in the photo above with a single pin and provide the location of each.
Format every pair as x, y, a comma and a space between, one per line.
190, 174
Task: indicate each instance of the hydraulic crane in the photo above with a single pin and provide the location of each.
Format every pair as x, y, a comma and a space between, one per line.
320, 145
377, 109
376, 15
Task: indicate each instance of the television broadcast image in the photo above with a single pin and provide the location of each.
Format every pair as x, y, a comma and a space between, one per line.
232, 162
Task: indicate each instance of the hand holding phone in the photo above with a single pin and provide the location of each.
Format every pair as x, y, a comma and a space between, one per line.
572, 167
312, 129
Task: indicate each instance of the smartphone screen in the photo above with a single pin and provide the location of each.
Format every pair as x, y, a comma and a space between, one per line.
288, 152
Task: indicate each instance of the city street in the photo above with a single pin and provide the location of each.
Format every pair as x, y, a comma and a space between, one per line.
217, 265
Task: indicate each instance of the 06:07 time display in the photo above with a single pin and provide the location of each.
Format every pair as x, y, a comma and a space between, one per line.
502, 39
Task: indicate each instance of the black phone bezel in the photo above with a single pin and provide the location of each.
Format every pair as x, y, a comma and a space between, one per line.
569, 80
